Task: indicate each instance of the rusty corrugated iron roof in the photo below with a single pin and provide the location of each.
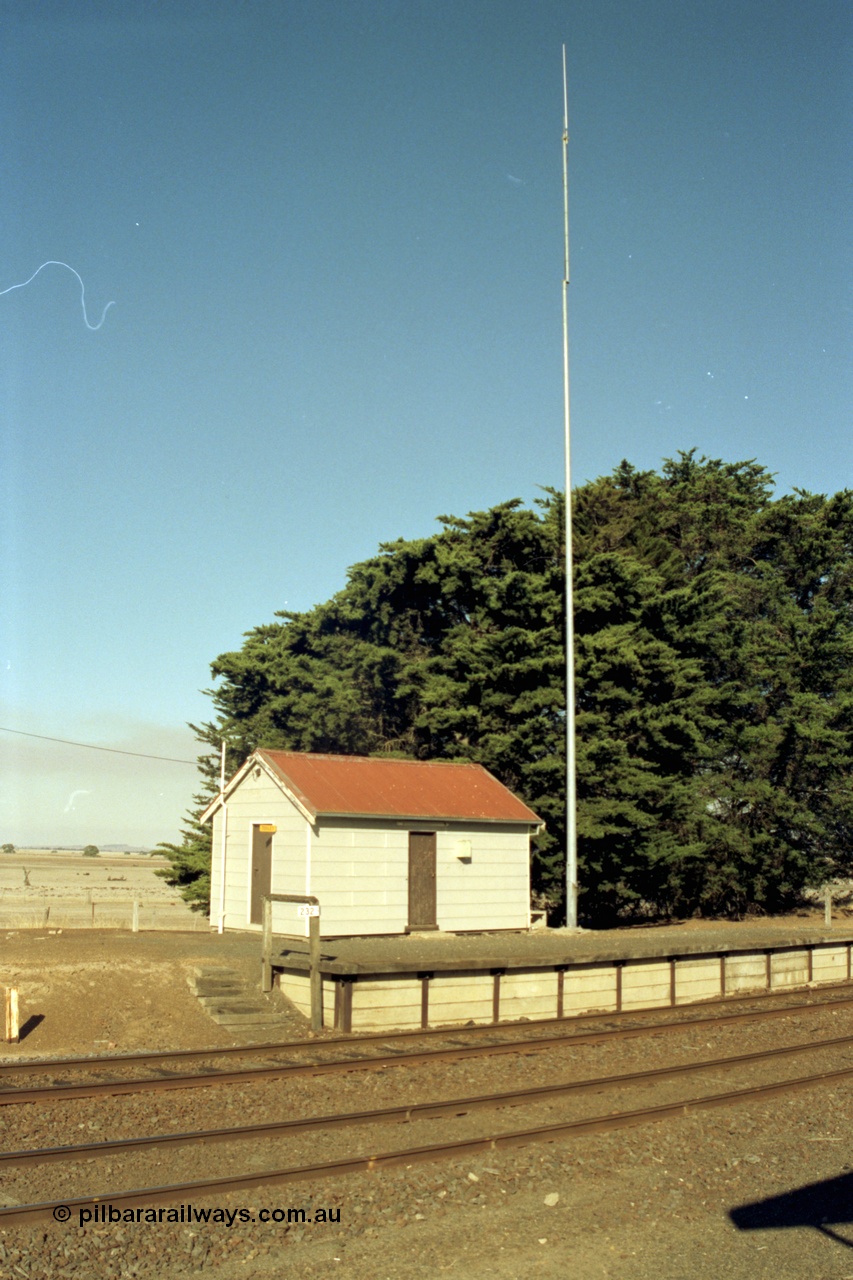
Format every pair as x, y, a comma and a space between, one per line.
362, 786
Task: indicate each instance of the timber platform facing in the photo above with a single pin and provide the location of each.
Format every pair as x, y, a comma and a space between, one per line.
436, 980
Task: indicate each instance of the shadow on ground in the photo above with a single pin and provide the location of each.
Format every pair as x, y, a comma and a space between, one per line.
821, 1205
30, 1025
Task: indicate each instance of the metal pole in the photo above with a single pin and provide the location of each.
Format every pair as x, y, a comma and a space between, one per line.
571, 786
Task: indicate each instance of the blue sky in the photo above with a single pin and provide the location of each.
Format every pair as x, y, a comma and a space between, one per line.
333, 235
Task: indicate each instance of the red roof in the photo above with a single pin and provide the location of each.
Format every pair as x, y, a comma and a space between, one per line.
361, 786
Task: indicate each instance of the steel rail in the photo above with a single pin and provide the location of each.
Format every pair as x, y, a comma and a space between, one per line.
146, 1196
28, 1065
247, 1075
406, 1112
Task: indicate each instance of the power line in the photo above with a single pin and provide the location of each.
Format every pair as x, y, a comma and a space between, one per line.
90, 746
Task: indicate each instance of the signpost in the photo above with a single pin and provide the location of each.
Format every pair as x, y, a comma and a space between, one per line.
307, 907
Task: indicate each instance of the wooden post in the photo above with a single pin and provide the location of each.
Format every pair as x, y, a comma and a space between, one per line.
310, 906
496, 994
347, 984
135, 922
11, 1003
827, 906
316, 976
266, 948
425, 981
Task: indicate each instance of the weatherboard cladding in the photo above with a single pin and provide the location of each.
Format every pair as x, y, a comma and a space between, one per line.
360, 786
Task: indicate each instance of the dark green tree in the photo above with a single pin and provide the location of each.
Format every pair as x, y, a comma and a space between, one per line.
752, 598
189, 868
714, 682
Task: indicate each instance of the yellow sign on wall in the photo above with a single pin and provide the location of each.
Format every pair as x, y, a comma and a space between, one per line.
266, 826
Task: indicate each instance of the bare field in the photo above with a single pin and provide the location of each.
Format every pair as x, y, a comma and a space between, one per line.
41, 887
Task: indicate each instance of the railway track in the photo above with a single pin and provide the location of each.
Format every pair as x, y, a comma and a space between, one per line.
461, 1043
450, 1111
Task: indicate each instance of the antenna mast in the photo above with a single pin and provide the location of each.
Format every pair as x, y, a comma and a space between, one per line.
571, 786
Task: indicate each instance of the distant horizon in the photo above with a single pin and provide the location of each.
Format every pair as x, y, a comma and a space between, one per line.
78, 848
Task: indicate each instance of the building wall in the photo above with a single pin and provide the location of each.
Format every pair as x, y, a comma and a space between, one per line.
360, 873
258, 800
359, 869
492, 889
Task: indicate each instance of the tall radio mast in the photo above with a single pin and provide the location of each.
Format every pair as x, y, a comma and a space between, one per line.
571, 785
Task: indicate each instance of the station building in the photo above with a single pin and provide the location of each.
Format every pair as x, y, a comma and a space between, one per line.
387, 846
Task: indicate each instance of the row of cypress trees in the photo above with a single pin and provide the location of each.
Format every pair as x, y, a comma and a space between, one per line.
714, 682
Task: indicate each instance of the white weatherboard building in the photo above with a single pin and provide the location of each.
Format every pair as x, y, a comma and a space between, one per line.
387, 846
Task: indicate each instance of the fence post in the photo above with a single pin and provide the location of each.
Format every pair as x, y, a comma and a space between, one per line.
135, 922
11, 1003
827, 905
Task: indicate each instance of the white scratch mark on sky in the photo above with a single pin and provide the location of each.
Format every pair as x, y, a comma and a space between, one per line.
69, 808
54, 262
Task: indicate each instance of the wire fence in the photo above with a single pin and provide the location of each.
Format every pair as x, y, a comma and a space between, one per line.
134, 915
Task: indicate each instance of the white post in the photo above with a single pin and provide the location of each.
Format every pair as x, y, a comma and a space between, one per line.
221, 925
308, 871
134, 927
571, 786
12, 1026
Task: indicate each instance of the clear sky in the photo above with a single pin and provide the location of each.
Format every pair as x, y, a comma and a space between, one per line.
332, 230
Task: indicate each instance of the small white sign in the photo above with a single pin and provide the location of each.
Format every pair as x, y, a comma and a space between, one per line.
305, 909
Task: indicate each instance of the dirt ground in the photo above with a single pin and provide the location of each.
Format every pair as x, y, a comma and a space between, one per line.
94, 991
650, 1203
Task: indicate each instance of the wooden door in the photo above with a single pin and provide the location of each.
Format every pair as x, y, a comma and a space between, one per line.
261, 872
422, 880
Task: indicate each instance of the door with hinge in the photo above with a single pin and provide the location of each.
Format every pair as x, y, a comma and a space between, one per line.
261, 871
422, 905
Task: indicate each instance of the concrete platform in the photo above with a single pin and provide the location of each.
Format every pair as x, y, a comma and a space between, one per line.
441, 979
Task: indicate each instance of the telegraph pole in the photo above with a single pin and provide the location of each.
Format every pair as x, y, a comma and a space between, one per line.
571, 786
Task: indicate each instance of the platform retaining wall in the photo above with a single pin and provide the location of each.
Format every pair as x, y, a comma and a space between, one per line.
403, 1000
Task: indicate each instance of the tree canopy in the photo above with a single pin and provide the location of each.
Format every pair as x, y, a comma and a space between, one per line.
714, 681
